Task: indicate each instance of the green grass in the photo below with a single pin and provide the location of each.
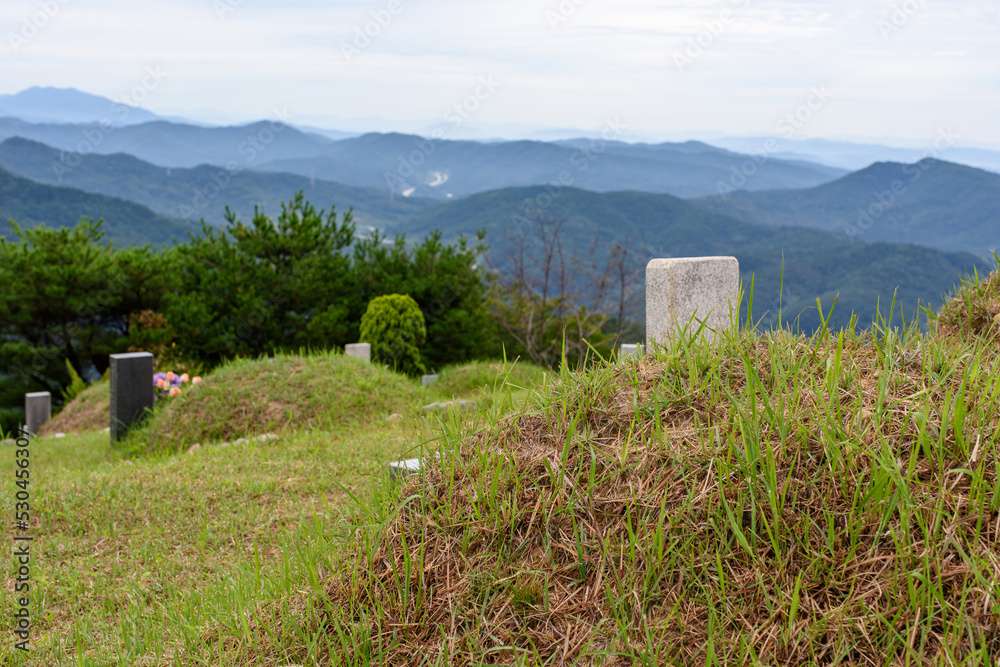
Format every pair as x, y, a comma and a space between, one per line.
768, 499
765, 499
150, 557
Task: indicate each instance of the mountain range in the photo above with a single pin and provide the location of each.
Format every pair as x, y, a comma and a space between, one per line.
126, 223
200, 192
801, 230
933, 203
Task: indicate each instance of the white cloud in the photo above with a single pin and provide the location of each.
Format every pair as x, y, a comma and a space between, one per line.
602, 58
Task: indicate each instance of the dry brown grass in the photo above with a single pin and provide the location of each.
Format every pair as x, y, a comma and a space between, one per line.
672, 510
974, 312
89, 411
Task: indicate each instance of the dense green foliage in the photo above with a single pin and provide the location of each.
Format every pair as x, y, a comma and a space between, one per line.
798, 265
932, 203
67, 296
303, 280
394, 326
127, 223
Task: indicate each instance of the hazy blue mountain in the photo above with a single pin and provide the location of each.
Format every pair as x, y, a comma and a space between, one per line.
816, 264
203, 191
442, 168
932, 203
174, 144
853, 156
68, 105
29, 203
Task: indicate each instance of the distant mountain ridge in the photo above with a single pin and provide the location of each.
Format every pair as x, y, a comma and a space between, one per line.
200, 192
30, 203
412, 165
854, 156
815, 264
409, 165
171, 144
934, 203
68, 105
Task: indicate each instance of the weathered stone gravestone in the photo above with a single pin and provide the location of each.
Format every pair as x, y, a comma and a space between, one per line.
131, 391
401, 469
428, 380
631, 349
359, 350
37, 410
695, 289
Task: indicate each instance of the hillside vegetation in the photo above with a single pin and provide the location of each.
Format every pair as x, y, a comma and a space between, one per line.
815, 264
129, 224
770, 499
767, 499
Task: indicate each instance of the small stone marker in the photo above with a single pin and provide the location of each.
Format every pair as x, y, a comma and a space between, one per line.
37, 410
131, 390
690, 288
401, 469
461, 404
428, 380
631, 349
359, 350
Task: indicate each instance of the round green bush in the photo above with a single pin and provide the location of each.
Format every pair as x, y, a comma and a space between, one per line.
394, 326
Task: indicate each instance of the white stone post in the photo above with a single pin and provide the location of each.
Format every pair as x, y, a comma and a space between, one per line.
630, 349
359, 350
695, 289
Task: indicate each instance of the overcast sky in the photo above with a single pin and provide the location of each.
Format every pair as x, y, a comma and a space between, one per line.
698, 67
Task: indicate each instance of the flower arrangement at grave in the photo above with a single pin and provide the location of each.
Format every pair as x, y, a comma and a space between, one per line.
169, 383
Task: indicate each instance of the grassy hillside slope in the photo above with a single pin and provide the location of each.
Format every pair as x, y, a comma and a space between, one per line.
769, 499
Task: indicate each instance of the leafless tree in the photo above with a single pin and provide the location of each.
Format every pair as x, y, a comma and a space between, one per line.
551, 300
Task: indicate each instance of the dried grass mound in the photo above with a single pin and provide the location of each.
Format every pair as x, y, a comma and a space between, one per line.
89, 411
768, 501
974, 312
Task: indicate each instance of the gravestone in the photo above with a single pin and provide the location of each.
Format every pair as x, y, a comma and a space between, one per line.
400, 469
695, 289
37, 410
428, 380
131, 391
631, 349
359, 350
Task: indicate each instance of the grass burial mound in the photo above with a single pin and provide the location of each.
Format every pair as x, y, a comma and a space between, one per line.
89, 411
284, 393
767, 499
